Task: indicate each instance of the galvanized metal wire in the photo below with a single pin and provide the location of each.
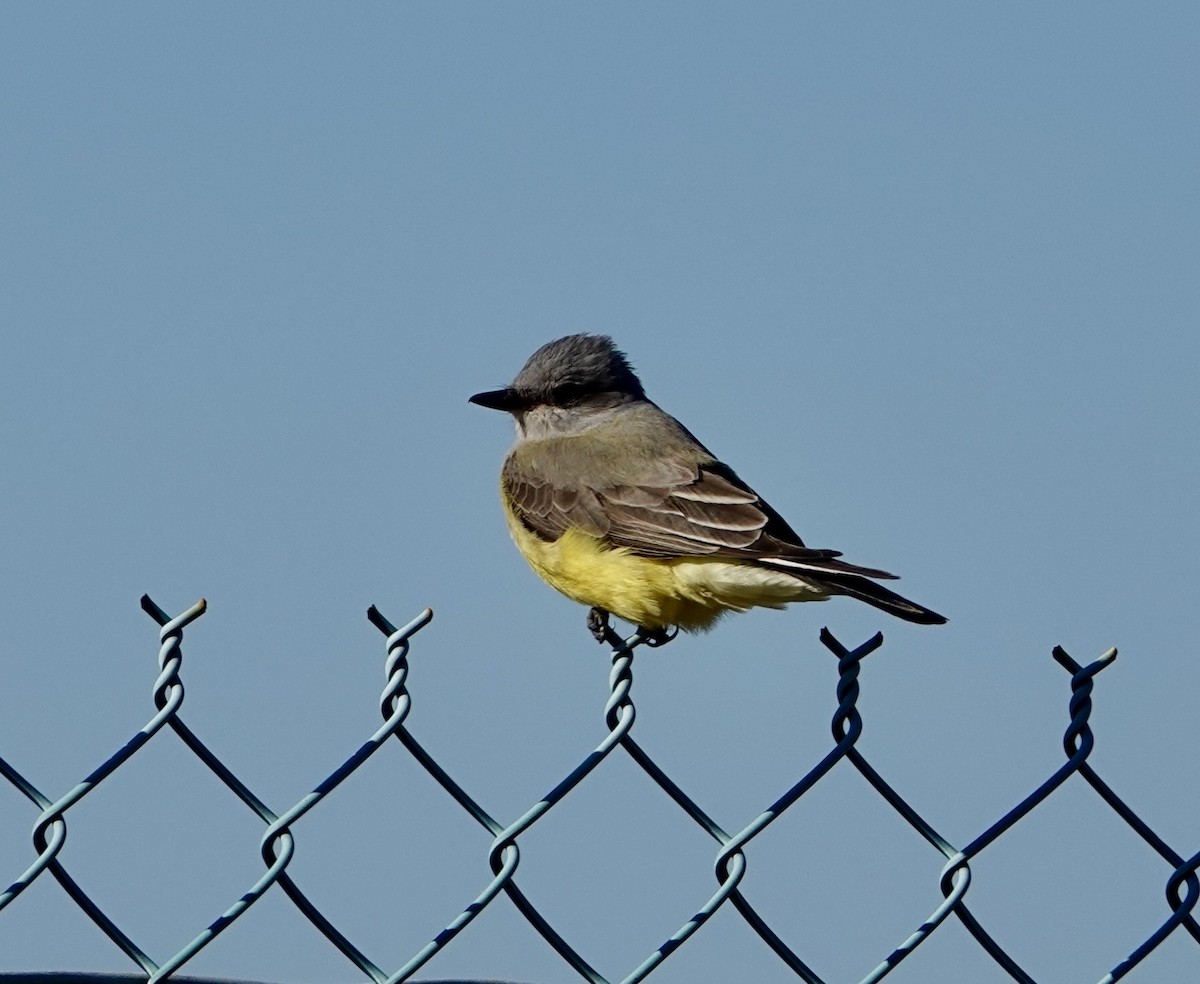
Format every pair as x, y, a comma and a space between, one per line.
277, 846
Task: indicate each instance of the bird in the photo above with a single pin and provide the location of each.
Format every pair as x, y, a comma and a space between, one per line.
614, 503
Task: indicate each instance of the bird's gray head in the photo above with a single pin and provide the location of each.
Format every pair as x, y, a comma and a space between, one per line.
578, 371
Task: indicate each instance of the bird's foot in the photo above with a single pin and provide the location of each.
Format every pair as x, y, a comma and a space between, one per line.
597, 623
657, 637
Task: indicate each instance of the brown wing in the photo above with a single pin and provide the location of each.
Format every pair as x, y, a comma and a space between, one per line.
676, 510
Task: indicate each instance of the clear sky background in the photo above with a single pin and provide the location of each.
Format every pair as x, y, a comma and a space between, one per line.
925, 274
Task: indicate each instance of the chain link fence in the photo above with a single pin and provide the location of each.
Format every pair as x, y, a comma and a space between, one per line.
277, 846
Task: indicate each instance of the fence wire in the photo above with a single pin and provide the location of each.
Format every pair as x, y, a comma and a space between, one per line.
277, 847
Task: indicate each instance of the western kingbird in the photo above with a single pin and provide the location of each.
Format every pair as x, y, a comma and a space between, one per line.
614, 503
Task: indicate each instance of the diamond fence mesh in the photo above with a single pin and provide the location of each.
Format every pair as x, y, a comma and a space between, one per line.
277, 846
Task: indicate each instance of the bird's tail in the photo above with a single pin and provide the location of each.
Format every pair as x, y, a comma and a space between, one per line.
879, 596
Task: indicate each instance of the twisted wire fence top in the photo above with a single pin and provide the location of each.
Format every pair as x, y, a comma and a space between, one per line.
732, 860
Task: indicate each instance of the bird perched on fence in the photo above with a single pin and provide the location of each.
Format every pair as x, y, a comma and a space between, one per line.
614, 503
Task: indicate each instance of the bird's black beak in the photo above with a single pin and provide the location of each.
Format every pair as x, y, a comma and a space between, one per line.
501, 399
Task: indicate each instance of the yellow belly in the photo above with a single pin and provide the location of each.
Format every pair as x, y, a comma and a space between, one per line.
691, 593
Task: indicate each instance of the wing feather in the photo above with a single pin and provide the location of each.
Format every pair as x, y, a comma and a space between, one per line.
708, 512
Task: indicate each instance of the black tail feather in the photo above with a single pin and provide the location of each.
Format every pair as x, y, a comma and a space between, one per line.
880, 597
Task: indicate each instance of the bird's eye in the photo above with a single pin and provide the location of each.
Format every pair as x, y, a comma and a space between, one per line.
565, 394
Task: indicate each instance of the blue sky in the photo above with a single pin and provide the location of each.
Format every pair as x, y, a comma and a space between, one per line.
925, 274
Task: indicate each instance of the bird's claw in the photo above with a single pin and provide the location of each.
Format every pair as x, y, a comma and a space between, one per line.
597, 623
598, 626
657, 637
